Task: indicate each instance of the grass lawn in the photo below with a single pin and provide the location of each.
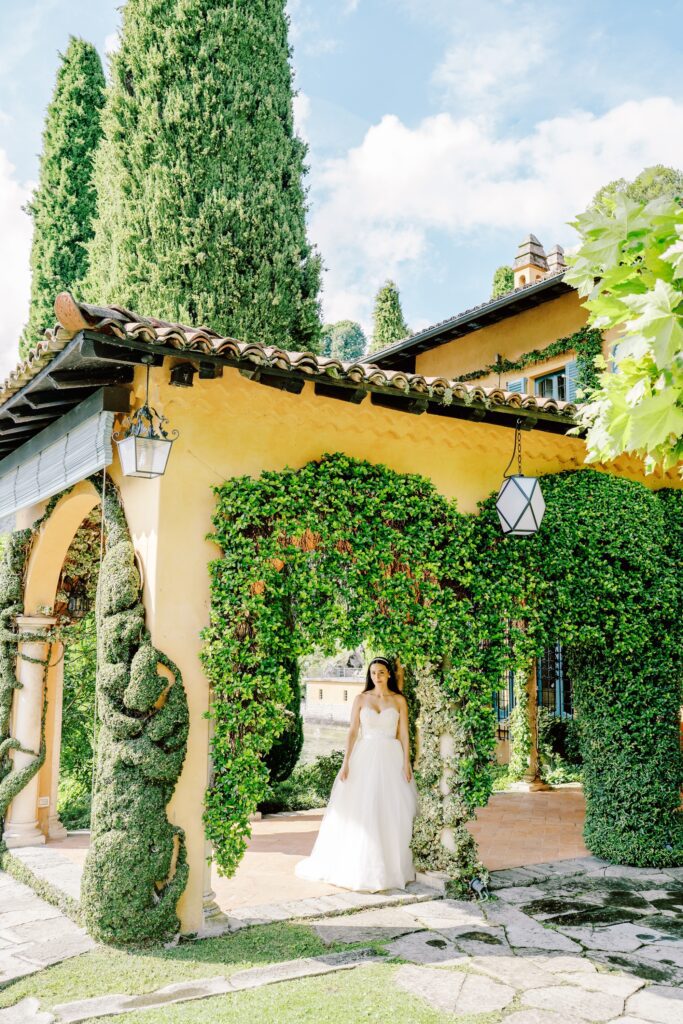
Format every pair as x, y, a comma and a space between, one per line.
135, 971
348, 997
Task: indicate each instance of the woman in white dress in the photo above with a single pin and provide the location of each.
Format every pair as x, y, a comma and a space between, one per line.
364, 837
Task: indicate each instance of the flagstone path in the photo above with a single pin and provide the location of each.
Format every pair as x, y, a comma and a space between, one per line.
568, 942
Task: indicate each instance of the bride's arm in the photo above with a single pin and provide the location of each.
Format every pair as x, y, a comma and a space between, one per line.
405, 739
351, 738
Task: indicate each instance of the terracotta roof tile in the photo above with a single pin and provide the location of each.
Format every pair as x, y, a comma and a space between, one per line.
121, 323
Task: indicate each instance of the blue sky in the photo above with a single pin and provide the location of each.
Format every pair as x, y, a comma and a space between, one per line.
440, 131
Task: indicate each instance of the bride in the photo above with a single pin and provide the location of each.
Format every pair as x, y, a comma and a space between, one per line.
364, 838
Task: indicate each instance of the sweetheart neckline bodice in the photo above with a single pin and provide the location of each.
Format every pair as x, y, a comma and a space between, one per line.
366, 707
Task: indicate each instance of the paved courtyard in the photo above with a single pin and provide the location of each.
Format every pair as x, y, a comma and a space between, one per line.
567, 942
514, 829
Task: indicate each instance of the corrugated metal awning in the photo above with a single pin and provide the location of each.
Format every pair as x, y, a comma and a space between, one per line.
71, 449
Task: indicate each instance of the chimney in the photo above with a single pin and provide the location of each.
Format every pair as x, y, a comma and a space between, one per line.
530, 262
556, 261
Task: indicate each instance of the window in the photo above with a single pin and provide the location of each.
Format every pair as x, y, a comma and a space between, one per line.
553, 385
346, 694
504, 702
554, 685
320, 694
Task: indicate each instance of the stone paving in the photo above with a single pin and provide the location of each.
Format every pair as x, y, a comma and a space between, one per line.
33, 934
568, 942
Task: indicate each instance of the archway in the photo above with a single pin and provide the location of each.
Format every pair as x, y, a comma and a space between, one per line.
345, 550
604, 578
136, 867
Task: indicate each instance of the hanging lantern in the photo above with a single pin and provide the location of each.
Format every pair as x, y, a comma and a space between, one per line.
520, 503
78, 605
145, 445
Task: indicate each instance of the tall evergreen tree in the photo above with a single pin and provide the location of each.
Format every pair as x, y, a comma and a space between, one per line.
344, 340
201, 206
503, 281
388, 322
63, 206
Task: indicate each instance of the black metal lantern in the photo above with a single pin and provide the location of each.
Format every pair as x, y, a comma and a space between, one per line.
520, 503
145, 445
78, 605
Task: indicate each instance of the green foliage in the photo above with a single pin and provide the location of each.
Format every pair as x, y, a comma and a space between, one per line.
307, 787
344, 551
136, 868
201, 204
503, 281
12, 780
63, 205
73, 803
521, 740
388, 322
559, 753
284, 753
652, 183
602, 578
630, 267
586, 342
344, 340
80, 655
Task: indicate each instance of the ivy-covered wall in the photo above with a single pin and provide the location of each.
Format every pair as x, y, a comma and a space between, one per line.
12, 568
586, 342
603, 576
136, 868
345, 551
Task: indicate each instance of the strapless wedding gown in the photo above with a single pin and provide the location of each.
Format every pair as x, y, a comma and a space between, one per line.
364, 838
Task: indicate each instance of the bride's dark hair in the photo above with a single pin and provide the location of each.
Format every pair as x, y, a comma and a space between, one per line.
393, 682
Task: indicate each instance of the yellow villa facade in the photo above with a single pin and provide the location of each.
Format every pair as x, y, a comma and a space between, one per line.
251, 409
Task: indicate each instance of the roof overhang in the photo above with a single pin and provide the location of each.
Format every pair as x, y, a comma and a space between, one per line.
93, 362
402, 354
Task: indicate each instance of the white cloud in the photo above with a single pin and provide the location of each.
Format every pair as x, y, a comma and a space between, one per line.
302, 113
15, 278
377, 208
112, 43
493, 68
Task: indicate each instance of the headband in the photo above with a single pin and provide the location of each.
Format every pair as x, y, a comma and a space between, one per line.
381, 661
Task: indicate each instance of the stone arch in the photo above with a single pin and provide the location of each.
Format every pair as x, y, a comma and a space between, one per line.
344, 550
32, 816
51, 544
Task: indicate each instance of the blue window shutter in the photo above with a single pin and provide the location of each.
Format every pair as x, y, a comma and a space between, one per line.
571, 371
614, 366
518, 385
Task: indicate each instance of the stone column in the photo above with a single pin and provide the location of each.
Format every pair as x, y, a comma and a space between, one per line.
55, 685
21, 828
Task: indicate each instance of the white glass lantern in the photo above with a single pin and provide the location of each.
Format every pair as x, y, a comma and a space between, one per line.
520, 503
145, 445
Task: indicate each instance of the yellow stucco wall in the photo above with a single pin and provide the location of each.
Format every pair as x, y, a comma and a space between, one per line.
511, 338
321, 692
232, 426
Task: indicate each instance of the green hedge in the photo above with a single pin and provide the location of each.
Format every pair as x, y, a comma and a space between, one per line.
136, 867
344, 551
603, 576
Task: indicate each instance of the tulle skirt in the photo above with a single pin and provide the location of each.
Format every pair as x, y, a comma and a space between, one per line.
364, 838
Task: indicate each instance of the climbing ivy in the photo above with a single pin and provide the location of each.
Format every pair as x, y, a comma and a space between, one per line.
586, 342
11, 604
136, 868
345, 551
603, 577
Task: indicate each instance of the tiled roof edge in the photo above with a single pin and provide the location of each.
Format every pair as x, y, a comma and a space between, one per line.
117, 322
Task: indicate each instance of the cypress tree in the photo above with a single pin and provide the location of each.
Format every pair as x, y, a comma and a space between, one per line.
201, 206
63, 205
388, 321
503, 281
